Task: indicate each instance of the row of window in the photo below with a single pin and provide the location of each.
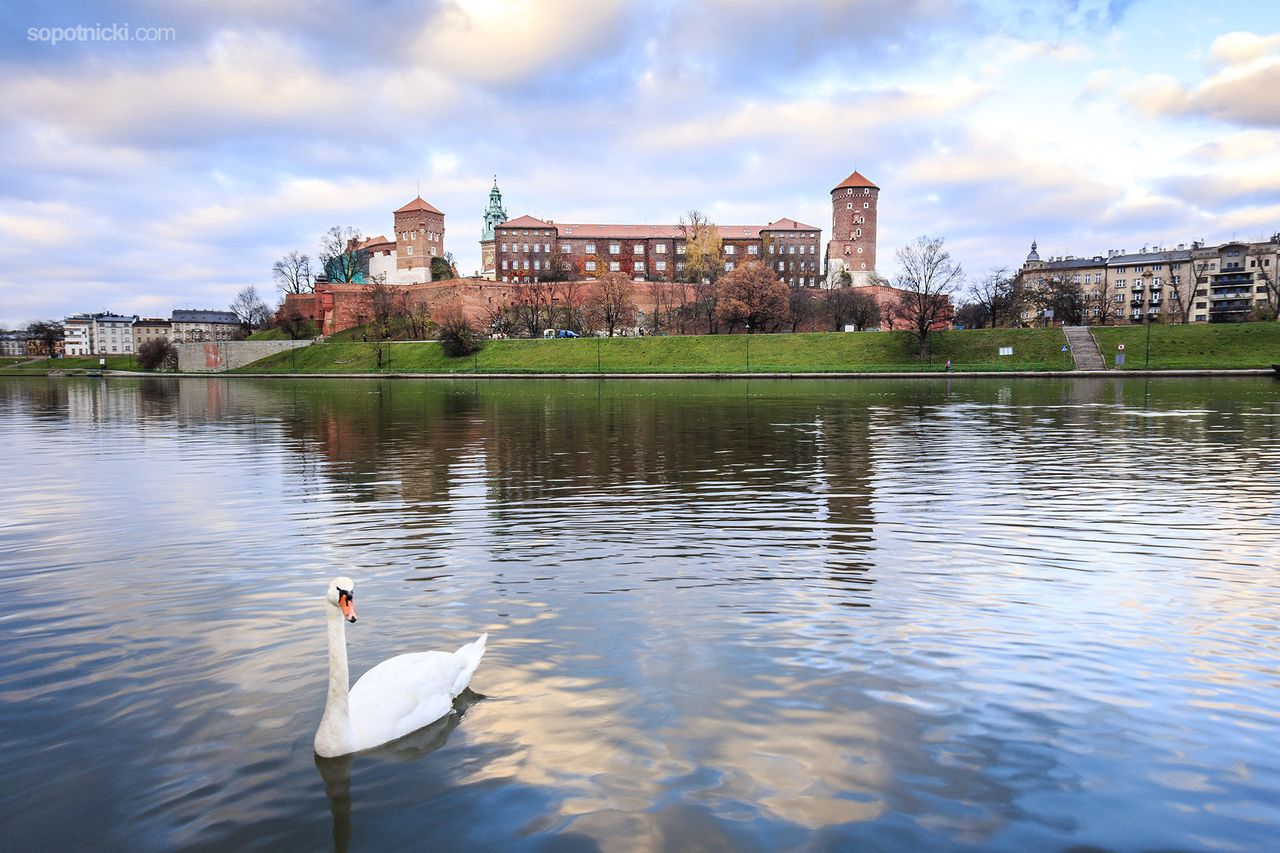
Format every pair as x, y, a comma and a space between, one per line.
658, 249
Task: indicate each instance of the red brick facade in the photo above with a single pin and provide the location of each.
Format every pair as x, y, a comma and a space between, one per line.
853, 228
529, 249
419, 235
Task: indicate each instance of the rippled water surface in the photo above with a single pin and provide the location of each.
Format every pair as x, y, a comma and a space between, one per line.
990, 614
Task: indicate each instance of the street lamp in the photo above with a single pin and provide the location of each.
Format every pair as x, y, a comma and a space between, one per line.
748, 347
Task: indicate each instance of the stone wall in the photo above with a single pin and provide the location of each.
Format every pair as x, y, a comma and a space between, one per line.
217, 356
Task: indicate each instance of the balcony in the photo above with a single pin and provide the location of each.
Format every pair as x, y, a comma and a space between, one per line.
1219, 295
1136, 303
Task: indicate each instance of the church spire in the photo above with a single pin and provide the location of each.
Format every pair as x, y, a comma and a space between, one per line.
495, 214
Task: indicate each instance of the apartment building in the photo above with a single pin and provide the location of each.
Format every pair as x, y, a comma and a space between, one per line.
1192, 283
194, 326
112, 334
151, 329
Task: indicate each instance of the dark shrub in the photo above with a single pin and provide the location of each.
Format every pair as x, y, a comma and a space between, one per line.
158, 354
457, 336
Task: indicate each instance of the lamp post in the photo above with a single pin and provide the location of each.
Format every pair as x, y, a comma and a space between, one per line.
1146, 355
748, 347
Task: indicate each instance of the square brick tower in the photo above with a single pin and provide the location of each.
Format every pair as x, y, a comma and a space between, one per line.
853, 231
419, 238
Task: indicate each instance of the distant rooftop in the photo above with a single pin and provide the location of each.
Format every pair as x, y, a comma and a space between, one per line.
198, 316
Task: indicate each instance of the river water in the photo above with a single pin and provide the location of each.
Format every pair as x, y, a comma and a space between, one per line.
982, 614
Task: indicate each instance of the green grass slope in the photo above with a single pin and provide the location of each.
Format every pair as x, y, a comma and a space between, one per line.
75, 363
817, 352
1216, 345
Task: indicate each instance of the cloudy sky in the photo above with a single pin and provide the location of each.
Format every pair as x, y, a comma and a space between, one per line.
143, 176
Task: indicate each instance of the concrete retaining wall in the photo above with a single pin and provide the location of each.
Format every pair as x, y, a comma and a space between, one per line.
215, 357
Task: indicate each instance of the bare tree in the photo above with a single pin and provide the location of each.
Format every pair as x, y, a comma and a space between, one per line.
292, 273
928, 279
48, 333
752, 295
610, 304
531, 304
252, 312
864, 310
994, 296
417, 317
1059, 296
338, 254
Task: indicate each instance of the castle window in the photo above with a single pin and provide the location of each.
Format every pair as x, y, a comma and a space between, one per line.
409, 250
867, 191
661, 248
504, 265
781, 265
565, 248
614, 248
591, 248
680, 266
857, 232
771, 248
728, 250
850, 206
589, 266
614, 266
813, 249
859, 250
504, 247
849, 191
753, 249
661, 265
526, 247
637, 249
546, 247
638, 266
866, 205
680, 249
728, 265
791, 250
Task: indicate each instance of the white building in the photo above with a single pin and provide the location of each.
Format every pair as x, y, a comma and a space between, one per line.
78, 335
112, 334
13, 343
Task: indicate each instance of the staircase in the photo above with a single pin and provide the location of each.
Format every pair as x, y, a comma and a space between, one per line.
1084, 349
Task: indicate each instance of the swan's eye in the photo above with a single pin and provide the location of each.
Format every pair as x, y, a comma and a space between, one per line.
342, 593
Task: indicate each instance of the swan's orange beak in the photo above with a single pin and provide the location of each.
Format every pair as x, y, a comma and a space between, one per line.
348, 607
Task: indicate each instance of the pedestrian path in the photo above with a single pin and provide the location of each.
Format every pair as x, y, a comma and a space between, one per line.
1084, 349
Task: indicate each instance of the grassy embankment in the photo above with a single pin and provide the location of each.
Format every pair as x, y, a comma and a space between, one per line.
819, 352
73, 365
1218, 345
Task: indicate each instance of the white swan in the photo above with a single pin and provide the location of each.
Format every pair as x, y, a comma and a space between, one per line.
398, 696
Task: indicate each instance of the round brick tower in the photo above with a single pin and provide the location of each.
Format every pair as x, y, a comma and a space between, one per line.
853, 230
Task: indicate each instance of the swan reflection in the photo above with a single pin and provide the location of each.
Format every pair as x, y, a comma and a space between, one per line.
336, 772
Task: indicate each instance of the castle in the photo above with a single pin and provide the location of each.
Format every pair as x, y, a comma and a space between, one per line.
526, 249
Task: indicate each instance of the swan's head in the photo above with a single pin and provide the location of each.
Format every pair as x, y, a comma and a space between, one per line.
342, 594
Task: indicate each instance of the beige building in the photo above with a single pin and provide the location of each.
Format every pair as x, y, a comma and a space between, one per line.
1167, 284
150, 329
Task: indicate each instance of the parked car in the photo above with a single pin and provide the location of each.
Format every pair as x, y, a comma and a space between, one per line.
567, 333
548, 333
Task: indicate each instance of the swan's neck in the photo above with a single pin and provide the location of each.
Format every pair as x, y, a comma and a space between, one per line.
334, 737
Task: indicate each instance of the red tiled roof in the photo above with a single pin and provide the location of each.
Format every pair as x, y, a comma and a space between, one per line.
855, 180
524, 222
419, 204
788, 225
374, 241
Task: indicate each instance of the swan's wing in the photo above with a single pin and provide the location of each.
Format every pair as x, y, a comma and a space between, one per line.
401, 695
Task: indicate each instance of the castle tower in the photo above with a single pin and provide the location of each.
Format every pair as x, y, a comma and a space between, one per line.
853, 230
419, 238
494, 215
